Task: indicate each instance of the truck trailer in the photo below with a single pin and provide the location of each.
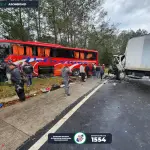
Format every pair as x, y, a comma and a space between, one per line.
136, 60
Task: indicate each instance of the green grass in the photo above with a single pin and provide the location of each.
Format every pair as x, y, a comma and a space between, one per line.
38, 83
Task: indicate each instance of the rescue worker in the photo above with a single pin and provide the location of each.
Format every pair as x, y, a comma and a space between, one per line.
17, 81
82, 73
65, 74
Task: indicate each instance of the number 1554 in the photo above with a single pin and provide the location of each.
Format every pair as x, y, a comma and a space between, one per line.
98, 139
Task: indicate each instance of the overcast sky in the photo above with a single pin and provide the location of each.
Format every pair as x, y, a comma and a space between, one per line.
131, 14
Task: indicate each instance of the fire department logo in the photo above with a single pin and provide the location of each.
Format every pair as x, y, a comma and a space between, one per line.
80, 138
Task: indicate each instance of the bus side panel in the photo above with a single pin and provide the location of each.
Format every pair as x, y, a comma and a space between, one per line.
57, 63
72, 64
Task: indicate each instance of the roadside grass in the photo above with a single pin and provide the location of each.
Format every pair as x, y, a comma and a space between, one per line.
38, 83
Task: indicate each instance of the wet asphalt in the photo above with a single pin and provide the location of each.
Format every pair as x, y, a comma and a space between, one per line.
119, 108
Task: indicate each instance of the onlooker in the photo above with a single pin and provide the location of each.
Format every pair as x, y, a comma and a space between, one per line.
101, 72
28, 70
82, 73
103, 67
93, 70
98, 71
87, 69
65, 74
17, 81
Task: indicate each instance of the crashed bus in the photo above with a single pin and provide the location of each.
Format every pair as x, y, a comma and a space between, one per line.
47, 58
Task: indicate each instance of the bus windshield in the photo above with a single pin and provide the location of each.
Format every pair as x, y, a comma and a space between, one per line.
5, 49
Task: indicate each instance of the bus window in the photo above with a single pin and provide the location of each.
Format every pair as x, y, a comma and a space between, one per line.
63, 53
29, 51
71, 54
34, 51
5, 49
53, 52
76, 55
40, 51
20, 50
47, 52
94, 56
81, 55
89, 56
15, 49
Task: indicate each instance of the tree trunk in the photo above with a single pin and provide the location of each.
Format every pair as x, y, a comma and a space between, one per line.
54, 21
36, 24
39, 22
21, 24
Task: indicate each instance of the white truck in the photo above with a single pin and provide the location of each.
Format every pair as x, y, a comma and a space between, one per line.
136, 60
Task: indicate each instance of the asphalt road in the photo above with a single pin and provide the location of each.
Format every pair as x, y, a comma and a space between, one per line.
122, 109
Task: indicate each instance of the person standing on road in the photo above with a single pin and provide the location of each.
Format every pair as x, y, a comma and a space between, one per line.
103, 67
65, 74
82, 72
93, 70
17, 81
98, 71
101, 72
87, 69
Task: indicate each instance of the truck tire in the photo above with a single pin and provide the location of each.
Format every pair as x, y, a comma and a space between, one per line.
75, 72
117, 75
120, 75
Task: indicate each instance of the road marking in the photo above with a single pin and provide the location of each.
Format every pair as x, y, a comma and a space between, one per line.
44, 138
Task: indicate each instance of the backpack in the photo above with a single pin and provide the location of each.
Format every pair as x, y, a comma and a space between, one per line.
28, 69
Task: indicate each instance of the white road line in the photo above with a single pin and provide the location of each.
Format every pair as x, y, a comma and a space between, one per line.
44, 138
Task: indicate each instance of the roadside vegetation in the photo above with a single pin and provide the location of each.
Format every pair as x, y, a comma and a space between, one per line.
38, 83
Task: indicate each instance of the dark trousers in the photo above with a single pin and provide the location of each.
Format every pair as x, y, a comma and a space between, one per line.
87, 73
101, 76
2, 77
19, 88
29, 81
83, 77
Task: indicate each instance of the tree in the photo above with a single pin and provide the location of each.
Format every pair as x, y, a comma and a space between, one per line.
125, 36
